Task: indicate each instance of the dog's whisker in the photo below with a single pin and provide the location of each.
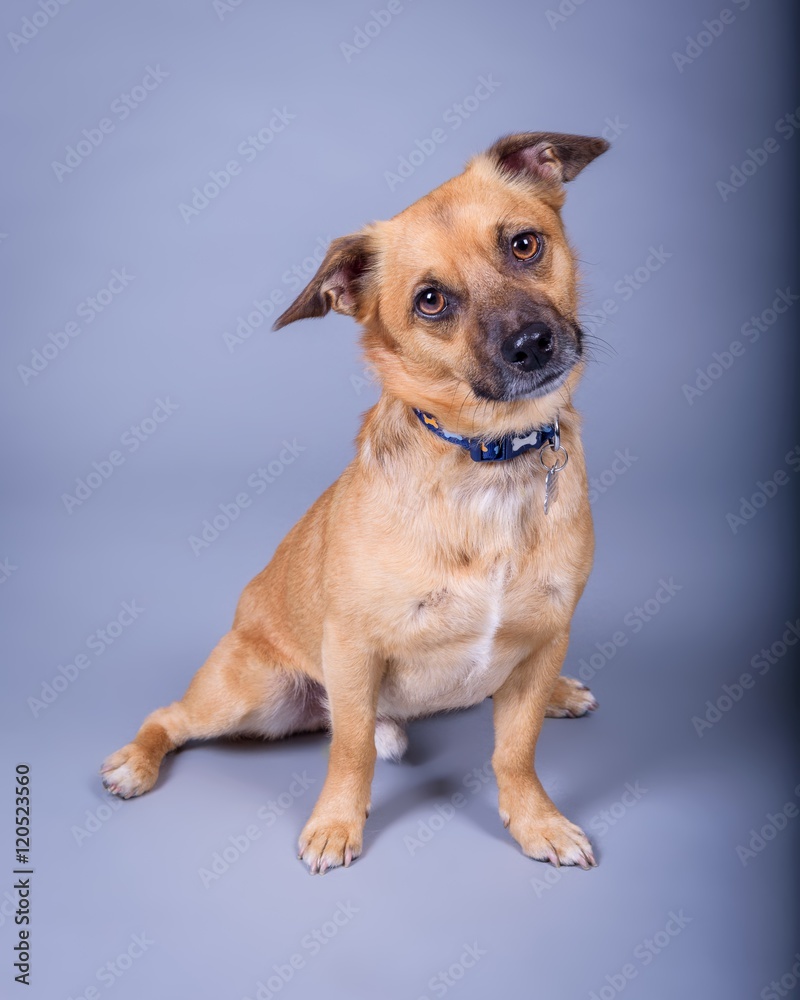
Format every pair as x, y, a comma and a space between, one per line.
453, 400
593, 338
463, 403
595, 346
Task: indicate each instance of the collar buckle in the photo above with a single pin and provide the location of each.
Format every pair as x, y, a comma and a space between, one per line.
555, 437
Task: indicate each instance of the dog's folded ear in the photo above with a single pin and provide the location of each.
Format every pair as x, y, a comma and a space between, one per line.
549, 157
337, 283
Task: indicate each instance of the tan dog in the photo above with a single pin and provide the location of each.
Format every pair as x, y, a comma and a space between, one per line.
427, 577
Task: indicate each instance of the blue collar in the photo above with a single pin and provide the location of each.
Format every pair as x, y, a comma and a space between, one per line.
497, 450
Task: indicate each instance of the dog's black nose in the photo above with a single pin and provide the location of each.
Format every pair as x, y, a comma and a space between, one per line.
529, 349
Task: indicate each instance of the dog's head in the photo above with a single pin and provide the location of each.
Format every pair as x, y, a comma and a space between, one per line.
468, 298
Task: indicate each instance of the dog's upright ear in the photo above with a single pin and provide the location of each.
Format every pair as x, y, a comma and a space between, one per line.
337, 283
545, 157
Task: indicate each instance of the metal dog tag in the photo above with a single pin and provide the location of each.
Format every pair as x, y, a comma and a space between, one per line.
551, 488
551, 479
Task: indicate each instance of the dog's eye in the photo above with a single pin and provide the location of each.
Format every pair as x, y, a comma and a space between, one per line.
430, 302
525, 246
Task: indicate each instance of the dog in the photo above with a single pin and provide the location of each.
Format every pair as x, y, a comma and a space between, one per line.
444, 565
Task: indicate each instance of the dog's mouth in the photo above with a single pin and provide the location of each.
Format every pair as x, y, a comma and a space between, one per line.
505, 385
529, 389
548, 383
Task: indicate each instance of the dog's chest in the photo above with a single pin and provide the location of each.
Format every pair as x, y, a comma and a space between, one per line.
463, 624
450, 655
460, 631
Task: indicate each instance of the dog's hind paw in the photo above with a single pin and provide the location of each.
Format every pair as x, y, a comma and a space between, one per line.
129, 772
391, 740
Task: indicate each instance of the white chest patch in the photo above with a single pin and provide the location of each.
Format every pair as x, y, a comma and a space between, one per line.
480, 656
455, 661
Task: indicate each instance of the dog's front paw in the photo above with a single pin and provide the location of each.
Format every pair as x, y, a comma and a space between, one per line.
128, 772
329, 843
553, 838
570, 699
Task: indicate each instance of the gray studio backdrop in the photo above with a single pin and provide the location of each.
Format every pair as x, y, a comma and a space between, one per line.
172, 173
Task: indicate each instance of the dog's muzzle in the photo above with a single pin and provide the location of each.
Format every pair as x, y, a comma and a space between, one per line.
532, 361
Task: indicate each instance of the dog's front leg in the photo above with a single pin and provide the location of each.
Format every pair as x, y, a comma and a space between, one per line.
333, 834
525, 807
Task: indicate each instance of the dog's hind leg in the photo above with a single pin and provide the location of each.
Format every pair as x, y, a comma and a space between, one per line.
239, 689
569, 699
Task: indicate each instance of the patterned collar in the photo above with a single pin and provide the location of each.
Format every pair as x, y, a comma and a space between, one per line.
497, 450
